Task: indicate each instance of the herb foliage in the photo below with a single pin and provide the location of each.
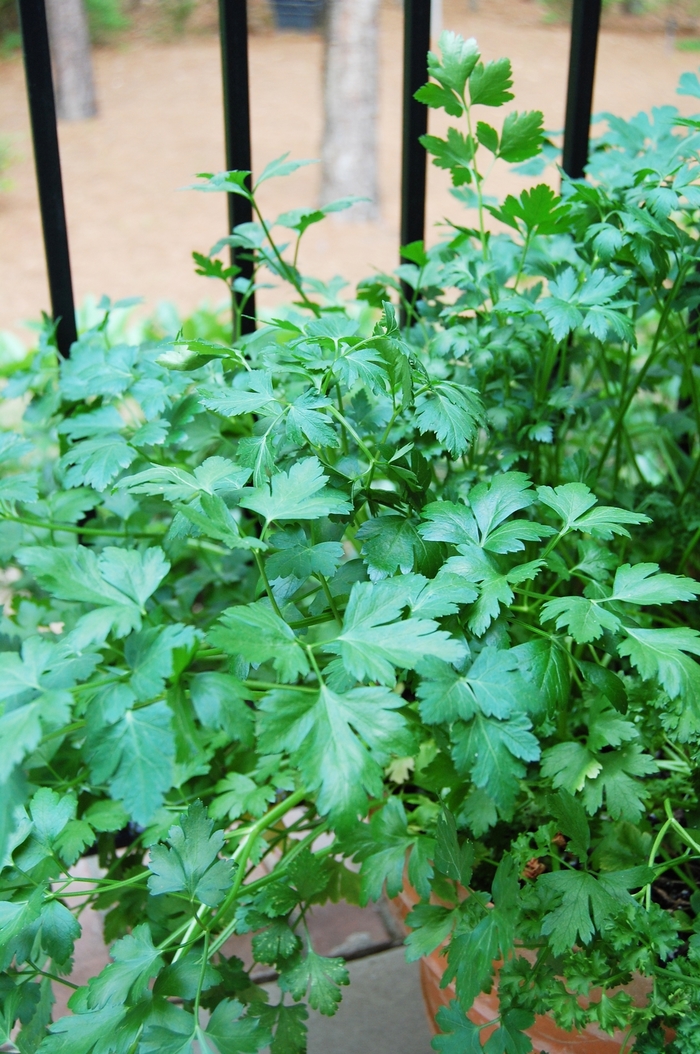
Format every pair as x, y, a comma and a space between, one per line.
425, 590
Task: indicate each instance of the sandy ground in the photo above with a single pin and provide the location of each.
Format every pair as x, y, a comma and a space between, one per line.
132, 228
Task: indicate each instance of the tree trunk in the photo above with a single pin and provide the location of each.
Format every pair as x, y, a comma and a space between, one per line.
349, 152
72, 59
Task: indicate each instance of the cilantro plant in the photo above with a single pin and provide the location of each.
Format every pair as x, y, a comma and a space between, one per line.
343, 590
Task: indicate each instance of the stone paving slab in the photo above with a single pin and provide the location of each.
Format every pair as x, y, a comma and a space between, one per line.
382, 1011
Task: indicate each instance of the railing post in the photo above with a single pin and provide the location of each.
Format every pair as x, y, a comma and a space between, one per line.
47, 161
416, 43
585, 22
233, 24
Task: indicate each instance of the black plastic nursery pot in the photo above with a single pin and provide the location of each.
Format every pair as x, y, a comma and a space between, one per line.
301, 15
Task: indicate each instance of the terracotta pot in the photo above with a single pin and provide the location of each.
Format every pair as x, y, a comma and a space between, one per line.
545, 1035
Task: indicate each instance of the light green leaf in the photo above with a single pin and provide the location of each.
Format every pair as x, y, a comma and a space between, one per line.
370, 649
318, 976
458, 59
234, 1032
458, 1035
585, 619
135, 756
300, 494
135, 961
298, 556
389, 543
492, 752
489, 84
453, 412
216, 475
251, 393
191, 865
259, 635
521, 136
642, 585
661, 653
340, 742
237, 794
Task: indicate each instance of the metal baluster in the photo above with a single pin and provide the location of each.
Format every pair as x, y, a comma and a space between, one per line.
42, 111
233, 23
416, 43
585, 22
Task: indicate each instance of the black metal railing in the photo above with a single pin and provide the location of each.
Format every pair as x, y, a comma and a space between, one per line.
234, 51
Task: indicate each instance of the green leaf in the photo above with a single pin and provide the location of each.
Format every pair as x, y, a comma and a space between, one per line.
487, 136
216, 475
569, 765
489, 84
259, 635
509, 1037
586, 903
191, 865
288, 1023
234, 1032
298, 556
451, 859
214, 520
661, 653
453, 412
150, 654
281, 167
569, 814
251, 393
521, 136
389, 543
300, 494
237, 794
430, 926
340, 742
540, 210
439, 98
570, 501
20, 487
642, 585
606, 682
585, 619
455, 154
20, 734
366, 646
97, 462
458, 1035
448, 521
275, 943
492, 686
125, 979
458, 59
304, 420
135, 756
117, 583
441, 595
382, 846
494, 502
86, 1033
318, 976
545, 664
74, 839
492, 751
219, 702
625, 797
59, 930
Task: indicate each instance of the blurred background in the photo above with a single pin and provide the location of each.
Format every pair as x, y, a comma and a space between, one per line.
158, 121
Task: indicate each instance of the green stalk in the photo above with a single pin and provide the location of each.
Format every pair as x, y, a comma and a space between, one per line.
244, 849
266, 583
